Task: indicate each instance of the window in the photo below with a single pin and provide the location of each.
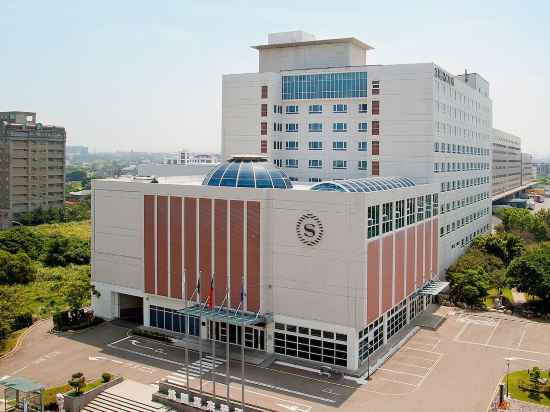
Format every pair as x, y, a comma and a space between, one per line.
420, 209
263, 146
292, 109
315, 145
340, 108
362, 127
362, 146
292, 163
291, 127
376, 87
292, 145
315, 164
339, 127
315, 108
376, 147
399, 214
375, 127
363, 108
373, 221
263, 111
387, 217
436, 147
339, 145
362, 165
277, 145
339, 164
264, 92
375, 168
410, 211
436, 167
428, 204
316, 127
278, 162
263, 128
375, 107
315, 179
325, 86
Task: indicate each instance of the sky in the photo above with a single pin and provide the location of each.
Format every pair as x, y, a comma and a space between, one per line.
146, 75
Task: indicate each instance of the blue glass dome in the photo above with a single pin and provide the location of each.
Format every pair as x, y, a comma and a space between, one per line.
248, 171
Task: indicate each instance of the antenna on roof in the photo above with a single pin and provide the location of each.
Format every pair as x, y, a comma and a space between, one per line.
466, 75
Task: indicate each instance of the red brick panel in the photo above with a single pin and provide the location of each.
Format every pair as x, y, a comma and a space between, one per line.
420, 255
387, 272
149, 243
236, 237
428, 250
435, 245
162, 245
220, 244
205, 246
399, 265
373, 280
176, 282
411, 241
253, 256
190, 242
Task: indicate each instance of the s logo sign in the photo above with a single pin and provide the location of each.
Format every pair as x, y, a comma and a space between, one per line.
309, 229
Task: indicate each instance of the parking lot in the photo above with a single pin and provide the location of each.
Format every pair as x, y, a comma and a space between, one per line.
455, 368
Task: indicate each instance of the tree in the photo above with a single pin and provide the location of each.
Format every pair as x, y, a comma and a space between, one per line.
77, 381
7, 312
15, 268
61, 251
530, 273
22, 239
476, 258
77, 290
471, 286
505, 246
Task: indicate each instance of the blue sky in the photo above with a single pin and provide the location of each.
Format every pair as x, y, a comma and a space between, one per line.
146, 75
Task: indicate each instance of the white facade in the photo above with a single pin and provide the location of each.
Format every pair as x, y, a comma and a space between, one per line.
187, 158
506, 162
413, 120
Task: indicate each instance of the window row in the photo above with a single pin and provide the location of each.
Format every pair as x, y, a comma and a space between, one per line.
460, 166
170, 319
324, 86
362, 146
318, 108
400, 213
337, 127
463, 183
451, 227
460, 149
465, 241
318, 164
444, 129
455, 113
468, 200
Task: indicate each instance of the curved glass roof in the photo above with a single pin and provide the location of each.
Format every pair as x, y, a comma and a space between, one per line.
248, 171
368, 184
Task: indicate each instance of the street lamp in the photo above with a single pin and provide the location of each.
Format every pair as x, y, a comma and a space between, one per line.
507, 373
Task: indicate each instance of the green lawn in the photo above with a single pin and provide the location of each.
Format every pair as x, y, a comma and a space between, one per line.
521, 378
9, 343
89, 386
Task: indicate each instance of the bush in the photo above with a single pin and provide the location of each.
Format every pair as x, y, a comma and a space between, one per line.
61, 251
15, 268
106, 377
22, 239
151, 335
77, 382
50, 400
22, 320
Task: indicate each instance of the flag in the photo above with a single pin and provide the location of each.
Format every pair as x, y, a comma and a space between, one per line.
199, 287
242, 293
211, 294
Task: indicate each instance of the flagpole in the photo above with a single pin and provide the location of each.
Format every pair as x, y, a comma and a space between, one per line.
200, 333
187, 336
227, 381
213, 337
242, 345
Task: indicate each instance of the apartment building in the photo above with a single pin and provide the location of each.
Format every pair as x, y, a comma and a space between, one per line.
528, 169
32, 165
506, 163
318, 110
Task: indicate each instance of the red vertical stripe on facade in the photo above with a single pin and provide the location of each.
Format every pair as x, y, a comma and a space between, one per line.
411, 241
175, 248
428, 250
190, 236
205, 246
149, 243
420, 255
253, 256
373, 280
162, 245
399, 265
387, 272
435, 245
236, 241
220, 244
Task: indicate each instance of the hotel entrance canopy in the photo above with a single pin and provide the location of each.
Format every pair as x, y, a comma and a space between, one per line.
231, 316
433, 288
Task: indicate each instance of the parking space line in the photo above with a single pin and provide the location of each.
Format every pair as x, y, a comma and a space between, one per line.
410, 364
522, 336
493, 332
399, 382
504, 347
399, 372
120, 340
459, 334
422, 350
430, 371
420, 357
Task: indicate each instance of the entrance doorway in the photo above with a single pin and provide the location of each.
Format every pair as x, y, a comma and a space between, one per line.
130, 308
254, 336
